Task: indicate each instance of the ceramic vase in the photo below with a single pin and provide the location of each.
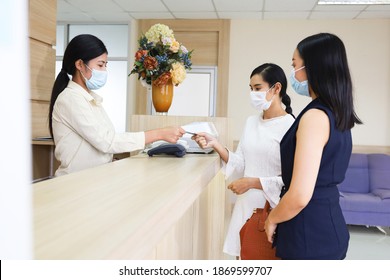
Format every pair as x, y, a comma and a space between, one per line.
162, 97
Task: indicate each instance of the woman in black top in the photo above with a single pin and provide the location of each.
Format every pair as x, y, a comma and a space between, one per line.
308, 222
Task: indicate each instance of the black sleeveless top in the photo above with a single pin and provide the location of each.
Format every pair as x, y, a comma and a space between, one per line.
319, 230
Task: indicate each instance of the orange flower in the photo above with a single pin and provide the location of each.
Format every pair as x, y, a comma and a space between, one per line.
139, 54
150, 63
162, 79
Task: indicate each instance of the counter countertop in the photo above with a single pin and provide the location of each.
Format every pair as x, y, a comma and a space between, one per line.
118, 210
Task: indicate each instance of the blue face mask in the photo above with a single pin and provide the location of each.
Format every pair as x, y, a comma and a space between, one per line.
97, 80
301, 88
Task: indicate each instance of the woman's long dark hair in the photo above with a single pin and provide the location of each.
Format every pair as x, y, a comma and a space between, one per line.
328, 75
84, 47
272, 74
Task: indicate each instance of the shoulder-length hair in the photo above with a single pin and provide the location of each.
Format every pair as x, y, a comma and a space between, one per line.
328, 75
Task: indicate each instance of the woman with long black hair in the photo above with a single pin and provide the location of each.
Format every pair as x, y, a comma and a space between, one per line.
257, 159
83, 134
308, 222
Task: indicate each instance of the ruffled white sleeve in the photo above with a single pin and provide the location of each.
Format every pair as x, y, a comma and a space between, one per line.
235, 165
272, 187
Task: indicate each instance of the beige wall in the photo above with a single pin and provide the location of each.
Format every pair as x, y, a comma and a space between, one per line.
368, 48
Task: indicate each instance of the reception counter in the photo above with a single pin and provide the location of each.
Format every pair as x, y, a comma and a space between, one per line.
140, 207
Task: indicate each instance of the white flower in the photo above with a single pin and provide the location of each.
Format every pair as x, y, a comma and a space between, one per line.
175, 45
166, 41
178, 73
183, 49
158, 31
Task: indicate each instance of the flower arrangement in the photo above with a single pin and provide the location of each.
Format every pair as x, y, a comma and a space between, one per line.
161, 58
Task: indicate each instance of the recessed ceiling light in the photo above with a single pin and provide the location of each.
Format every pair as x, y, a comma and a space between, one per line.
354, 2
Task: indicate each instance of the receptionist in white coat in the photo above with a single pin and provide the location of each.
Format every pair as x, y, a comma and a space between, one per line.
257, 159
83, 134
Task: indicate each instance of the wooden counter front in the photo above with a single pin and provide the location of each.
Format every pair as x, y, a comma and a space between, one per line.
134, 208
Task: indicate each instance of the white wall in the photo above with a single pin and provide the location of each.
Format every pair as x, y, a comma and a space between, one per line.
253, 42
15, 162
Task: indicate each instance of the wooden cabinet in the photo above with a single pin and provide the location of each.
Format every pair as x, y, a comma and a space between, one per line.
44, 163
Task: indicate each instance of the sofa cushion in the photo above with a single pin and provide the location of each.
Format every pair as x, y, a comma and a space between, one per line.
382, 193
379, 171
357, 177
367, 202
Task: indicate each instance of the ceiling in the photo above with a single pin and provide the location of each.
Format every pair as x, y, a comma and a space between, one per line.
126, 10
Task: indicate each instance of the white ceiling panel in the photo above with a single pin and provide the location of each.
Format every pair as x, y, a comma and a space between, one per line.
202, 15
72, 17
104, 17
240, 15
296, 5
331, 8
151, 15
286, 15
374, 15
335, 15
238, 5
107, 6
190, 5
65, 7
140, 5
117, 10
378, 8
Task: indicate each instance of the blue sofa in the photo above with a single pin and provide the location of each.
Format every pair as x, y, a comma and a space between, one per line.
365, 192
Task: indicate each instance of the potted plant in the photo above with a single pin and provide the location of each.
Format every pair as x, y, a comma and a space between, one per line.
161, 62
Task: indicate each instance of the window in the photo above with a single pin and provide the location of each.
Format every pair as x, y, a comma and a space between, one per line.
195, 96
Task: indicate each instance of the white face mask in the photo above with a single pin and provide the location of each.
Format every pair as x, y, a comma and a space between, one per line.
259, 100
97, 80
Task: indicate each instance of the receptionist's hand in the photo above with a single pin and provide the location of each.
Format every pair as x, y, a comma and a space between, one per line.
172, 134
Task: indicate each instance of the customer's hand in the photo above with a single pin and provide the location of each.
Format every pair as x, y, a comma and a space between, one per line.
204, 140
172, 134
242, 185
270, 229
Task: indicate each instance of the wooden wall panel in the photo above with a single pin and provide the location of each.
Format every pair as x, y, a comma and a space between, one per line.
204, 44
42, 35
42, 20
42, 65
39, 120
223, 68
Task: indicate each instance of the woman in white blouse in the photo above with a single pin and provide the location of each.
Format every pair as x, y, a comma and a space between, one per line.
83, 134
257, 158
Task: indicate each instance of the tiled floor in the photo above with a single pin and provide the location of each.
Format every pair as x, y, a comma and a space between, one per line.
368, 243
